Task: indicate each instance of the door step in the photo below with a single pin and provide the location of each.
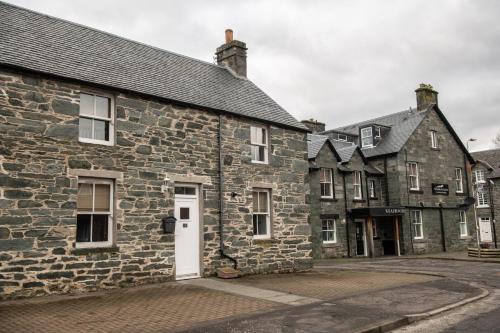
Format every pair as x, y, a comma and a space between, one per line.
228, 273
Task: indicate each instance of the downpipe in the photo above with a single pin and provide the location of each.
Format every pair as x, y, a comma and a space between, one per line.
221, 198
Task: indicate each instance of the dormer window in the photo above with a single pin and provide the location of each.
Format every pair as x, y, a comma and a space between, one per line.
366, 137
377, 132
342, 137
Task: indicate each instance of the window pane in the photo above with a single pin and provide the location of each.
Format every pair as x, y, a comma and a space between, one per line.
255, 199
102, 193
83, 228
84, 201
263, 202
184, 213
253, 134
87, 104
262, 154
255, 153
100, 228
101, 130
263, 136
102, 107
259, 224
85, 128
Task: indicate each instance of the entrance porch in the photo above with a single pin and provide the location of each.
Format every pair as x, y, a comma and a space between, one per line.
377, 231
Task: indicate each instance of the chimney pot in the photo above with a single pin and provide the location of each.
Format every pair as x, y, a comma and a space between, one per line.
426, 96
229, 36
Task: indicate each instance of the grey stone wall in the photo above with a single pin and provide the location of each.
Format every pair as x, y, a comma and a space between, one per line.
435, 166
39, 153
326, 159
493, 210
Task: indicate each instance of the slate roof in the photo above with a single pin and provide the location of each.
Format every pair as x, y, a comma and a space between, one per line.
346, 152
402, 125
314, 144
49, 45
492, 157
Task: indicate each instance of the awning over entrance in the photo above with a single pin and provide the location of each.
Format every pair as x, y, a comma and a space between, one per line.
377, 211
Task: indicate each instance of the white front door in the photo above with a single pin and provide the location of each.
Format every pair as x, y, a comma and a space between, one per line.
485, 229
187, 233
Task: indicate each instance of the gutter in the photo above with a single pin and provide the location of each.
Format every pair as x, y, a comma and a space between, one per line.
221, 197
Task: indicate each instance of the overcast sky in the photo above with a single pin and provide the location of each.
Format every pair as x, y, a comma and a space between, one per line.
335, 61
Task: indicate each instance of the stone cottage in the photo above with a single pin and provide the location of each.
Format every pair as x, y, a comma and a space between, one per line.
405, 178
103, 139
486, 187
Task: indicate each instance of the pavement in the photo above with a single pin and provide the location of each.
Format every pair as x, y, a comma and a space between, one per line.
334, 297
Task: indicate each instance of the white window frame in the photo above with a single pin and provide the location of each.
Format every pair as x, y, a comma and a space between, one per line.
463, 223
479, 176
267, 235
365, 135
372, 188
109, 242
434, 139
254, 144
111, 120
416, 222
482, 199
377, 133
459, 183
356, 185
413, 174
326, 181
333, 230
344, 139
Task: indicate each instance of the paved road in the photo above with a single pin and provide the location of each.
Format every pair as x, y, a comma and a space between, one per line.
478, 317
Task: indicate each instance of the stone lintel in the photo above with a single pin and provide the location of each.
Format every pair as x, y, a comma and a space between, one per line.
261, 185
206, 180
96, 173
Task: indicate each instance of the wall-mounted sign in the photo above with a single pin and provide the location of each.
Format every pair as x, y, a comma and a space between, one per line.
440, 189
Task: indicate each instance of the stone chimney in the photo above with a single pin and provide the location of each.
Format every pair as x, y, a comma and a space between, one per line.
314, 125
233, 54
426, 95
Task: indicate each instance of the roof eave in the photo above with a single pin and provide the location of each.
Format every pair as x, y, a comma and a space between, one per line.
180, 103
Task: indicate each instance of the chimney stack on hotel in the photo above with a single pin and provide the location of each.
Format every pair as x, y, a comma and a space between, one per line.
314, 125
233, 54
426, 95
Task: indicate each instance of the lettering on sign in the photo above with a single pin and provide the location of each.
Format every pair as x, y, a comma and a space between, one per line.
440, 189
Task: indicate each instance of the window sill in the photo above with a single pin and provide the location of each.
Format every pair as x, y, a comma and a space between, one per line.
465, 237
484, 206
419, 240
435, 148
264, 241
416, 191
329, 244
260, 162
460, 194
359, 201
96, 142
373, 198
87, 250
328, 199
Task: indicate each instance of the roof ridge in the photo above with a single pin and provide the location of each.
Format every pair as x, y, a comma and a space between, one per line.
113, 35
373, 119
483, 151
